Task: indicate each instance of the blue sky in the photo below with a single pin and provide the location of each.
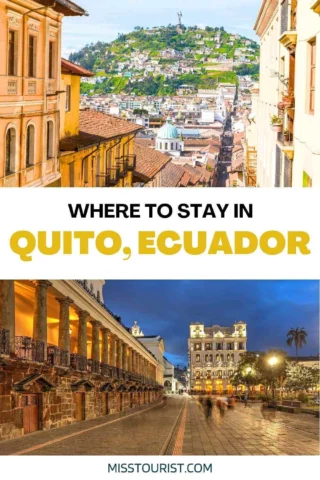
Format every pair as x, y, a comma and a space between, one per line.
270, 309
107, 18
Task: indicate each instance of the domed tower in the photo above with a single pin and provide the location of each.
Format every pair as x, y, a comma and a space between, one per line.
168, 140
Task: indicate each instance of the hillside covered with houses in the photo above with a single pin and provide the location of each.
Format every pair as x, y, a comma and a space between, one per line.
166, 60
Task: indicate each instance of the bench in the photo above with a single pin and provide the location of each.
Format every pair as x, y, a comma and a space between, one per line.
290, 406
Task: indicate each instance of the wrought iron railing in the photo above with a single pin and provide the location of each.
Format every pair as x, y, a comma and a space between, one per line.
112, 176
78, 362
28, 348
285, 138
57, 357
93, 366
4, 342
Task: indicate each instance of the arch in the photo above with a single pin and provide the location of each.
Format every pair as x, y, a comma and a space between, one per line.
50, 139
167, 384
30, 144
10, 150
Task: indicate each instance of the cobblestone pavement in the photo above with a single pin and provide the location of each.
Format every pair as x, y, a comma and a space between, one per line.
245, 431
145, 433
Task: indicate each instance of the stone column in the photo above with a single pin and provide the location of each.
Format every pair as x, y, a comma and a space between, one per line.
105, 345
125, 357
40, 312
95, 350
113, 353
82, 333
7, 310
64, 323
119, 353
129, 359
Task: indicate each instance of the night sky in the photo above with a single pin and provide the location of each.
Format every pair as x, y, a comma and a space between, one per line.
270, 309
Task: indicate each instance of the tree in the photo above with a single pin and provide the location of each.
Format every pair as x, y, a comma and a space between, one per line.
272, 375
298, 336
246, 372
299, 377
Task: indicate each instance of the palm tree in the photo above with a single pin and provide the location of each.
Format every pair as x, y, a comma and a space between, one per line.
298, 336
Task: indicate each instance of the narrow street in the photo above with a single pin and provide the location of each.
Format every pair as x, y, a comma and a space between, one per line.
178, 427
225, 155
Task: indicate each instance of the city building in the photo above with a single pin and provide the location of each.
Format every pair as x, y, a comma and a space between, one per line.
168, 140
155, 345
172, 383
30, 86
288, 107
65, 357
214, 353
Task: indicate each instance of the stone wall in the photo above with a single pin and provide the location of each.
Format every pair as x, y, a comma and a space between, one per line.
56, 392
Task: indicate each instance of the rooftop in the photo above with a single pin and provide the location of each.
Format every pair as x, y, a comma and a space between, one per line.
73, 69
66, 7
105, 126
148, 162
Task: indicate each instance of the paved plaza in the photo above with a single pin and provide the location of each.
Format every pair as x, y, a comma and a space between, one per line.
178, 427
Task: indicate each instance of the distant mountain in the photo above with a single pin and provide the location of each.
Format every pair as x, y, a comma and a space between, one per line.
159, 60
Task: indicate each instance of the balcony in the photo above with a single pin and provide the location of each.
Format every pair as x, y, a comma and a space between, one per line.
4, 342
78, 362
285, 143
316, 6
112, 176
57, 357
93, 366
289, 39
28, 348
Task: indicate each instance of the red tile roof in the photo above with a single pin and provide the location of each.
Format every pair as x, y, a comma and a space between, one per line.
73, 69
106, 126
148, 162
171, 175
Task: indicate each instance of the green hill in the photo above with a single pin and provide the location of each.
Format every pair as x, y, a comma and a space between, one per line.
159, 60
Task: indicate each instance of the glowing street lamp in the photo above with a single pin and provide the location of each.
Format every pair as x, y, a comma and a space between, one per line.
272, 362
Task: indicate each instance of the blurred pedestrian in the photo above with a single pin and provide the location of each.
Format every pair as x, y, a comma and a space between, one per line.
208, 405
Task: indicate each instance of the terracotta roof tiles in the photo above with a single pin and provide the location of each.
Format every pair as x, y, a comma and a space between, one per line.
148, 161
106, 126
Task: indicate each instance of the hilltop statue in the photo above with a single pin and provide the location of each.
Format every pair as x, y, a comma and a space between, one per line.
179, 18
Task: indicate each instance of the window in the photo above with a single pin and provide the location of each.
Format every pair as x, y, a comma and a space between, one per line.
241, 346
10, 151
32, 56
219, 346
12, 52
68, 98
172, 146
197, 346
30, 145
71, 180
197, 358
208, 346
50, 150
51, 59
86, 173
312, 75
198, 374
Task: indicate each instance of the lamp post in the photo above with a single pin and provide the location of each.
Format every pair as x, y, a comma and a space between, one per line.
272, 362
248, 372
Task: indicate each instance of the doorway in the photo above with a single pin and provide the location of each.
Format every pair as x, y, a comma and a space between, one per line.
30, 404
80, 398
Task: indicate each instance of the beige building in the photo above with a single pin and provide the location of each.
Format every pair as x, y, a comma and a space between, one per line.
155, 345
288, 150
65, 357
214, 353
30, 76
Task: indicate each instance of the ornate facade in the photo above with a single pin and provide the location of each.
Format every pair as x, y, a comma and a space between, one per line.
64, 357
214, 353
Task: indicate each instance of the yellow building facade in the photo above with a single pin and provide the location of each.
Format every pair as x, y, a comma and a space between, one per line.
30, 86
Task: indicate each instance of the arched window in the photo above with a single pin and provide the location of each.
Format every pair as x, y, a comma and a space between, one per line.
206, 358
50, 140
222, 357
166, 146
160, 145
172, 146
211, 358
10, 150
30, 145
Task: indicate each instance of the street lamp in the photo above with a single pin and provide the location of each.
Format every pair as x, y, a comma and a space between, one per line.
272, 362
248, 371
